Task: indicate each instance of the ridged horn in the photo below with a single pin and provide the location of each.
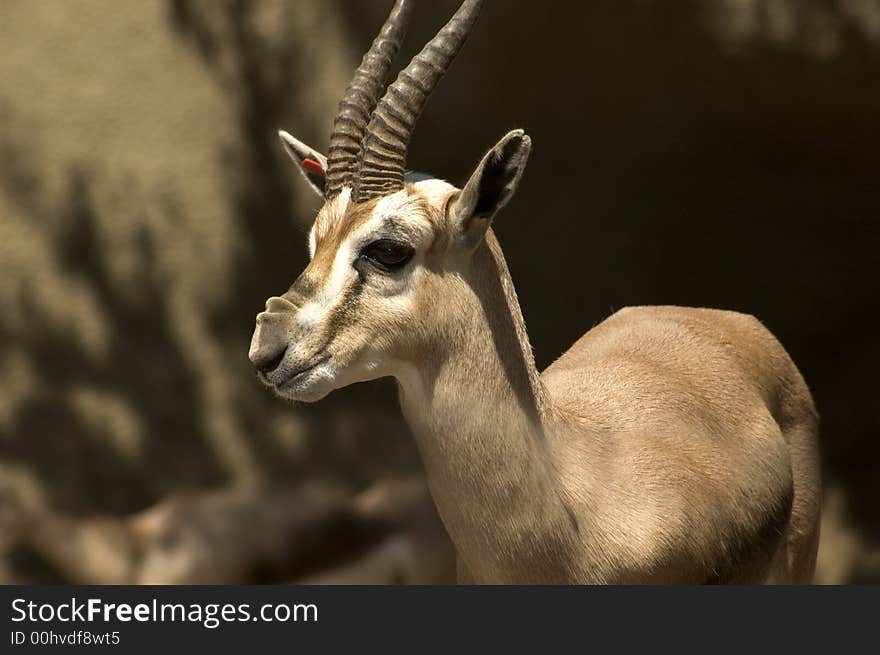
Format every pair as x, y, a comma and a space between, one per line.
383, 156
356, 106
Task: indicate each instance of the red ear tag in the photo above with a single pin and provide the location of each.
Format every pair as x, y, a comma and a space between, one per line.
313, 166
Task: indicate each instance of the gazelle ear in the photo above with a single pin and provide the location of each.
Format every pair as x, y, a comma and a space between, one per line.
490, 186
311, 163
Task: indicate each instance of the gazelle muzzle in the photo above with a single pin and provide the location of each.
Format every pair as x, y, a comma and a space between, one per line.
287, 358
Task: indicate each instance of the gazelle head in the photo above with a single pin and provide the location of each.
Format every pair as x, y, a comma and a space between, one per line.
389, 248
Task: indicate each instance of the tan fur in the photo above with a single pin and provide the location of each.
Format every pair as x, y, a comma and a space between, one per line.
668, 445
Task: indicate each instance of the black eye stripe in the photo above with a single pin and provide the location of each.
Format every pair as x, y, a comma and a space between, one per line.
387, 254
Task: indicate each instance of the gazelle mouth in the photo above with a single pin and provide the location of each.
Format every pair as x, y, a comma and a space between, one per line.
297, 376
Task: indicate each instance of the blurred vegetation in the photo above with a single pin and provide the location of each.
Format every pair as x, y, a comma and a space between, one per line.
712, 152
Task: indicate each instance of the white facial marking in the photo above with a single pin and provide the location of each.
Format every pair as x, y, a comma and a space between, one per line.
332, 211
312, 313
340, 202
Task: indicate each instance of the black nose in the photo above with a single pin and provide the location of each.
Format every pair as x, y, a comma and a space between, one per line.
266, 366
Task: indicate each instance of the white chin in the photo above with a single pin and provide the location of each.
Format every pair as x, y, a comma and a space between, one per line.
309, 387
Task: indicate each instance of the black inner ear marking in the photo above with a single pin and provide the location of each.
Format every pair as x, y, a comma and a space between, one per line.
499, 173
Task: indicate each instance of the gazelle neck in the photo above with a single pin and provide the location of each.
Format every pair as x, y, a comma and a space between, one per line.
481, 417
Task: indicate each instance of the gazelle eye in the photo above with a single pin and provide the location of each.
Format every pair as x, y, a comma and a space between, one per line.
388, 255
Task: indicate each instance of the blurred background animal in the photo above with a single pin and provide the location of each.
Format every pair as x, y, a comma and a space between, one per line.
314, 531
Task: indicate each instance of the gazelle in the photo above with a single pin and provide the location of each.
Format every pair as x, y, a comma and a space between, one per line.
668, 445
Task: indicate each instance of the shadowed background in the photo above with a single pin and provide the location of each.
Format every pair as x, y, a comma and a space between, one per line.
718, 153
